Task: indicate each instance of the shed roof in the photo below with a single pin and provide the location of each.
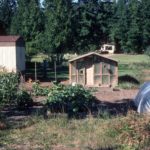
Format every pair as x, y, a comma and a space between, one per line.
91, 53
10, 38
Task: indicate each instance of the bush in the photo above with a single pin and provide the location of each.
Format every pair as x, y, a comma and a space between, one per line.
8, 87
39, 91
70, 98
147, 51
24, 99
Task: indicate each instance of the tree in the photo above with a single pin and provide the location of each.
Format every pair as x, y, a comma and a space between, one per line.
106, 13
146, 23
86, 28
57, 26
7, 10
135, 31
91, 24
28, 21
120, 25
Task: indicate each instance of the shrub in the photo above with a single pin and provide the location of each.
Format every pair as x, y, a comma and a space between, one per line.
39, 91
70, 98
8, 87
24, 99
147, 51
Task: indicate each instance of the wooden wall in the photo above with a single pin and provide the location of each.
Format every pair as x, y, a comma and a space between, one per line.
94, 71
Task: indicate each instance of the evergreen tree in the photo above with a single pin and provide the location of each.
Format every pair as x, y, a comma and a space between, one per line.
86, 28
57, 26
135, 38
106, 13
120, 26
146, 23
91, 21
7, 9
28, 22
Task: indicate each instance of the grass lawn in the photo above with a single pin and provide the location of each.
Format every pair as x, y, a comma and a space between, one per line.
132, 66
104, 132
128, 65
131, 132
128, 59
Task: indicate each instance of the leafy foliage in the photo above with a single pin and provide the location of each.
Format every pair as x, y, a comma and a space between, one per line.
73, 98
24, 99
8, 87
10, 92
57, 25
28, 21
7, 10
60, 26
147, 51
146, 22
91, 25
39, 91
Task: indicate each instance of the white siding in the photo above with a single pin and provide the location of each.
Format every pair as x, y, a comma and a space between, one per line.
12, 58
8, 58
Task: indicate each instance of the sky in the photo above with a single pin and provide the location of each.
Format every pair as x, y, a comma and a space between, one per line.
72, 0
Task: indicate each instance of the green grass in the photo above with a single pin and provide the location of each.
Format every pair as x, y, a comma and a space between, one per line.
133, 66
128, 59
126, 132
62, 73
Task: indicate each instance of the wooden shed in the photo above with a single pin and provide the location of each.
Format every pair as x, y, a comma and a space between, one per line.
93, 69
12, 53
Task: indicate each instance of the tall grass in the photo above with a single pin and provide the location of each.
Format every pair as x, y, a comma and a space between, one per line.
121, 132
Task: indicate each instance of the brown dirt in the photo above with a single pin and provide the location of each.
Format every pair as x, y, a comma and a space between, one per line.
102, 94
109, 95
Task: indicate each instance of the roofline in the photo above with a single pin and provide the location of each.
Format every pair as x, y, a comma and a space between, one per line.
11, 38
91, 53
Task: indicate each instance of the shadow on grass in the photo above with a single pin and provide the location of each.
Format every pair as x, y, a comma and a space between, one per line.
18, 119
107, 148
14, 118
98, 108
128, 78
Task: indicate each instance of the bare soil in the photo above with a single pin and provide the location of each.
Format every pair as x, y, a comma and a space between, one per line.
102, 94
109, 95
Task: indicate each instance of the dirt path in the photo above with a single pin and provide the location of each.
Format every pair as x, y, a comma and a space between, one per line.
103, 94
109, 95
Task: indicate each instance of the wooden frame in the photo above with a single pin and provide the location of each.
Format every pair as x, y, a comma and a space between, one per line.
112, 79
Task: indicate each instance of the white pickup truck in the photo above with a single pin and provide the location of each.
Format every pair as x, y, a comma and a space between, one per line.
108, 48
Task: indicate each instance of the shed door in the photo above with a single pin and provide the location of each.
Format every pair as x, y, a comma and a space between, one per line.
81, 76
81, 73
105, 74
89, 73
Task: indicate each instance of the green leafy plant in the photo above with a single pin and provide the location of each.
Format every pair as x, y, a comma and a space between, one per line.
39, 91
147, 51
24, 99
8, 87
70, 98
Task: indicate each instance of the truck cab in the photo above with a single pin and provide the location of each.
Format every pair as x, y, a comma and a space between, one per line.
108, 48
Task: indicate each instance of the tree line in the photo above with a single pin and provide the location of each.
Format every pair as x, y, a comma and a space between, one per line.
60, 26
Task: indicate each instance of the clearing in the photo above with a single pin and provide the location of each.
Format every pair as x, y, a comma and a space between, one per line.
122, 130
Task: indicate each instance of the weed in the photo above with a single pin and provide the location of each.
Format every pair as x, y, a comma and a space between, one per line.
39, 91
128, 85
